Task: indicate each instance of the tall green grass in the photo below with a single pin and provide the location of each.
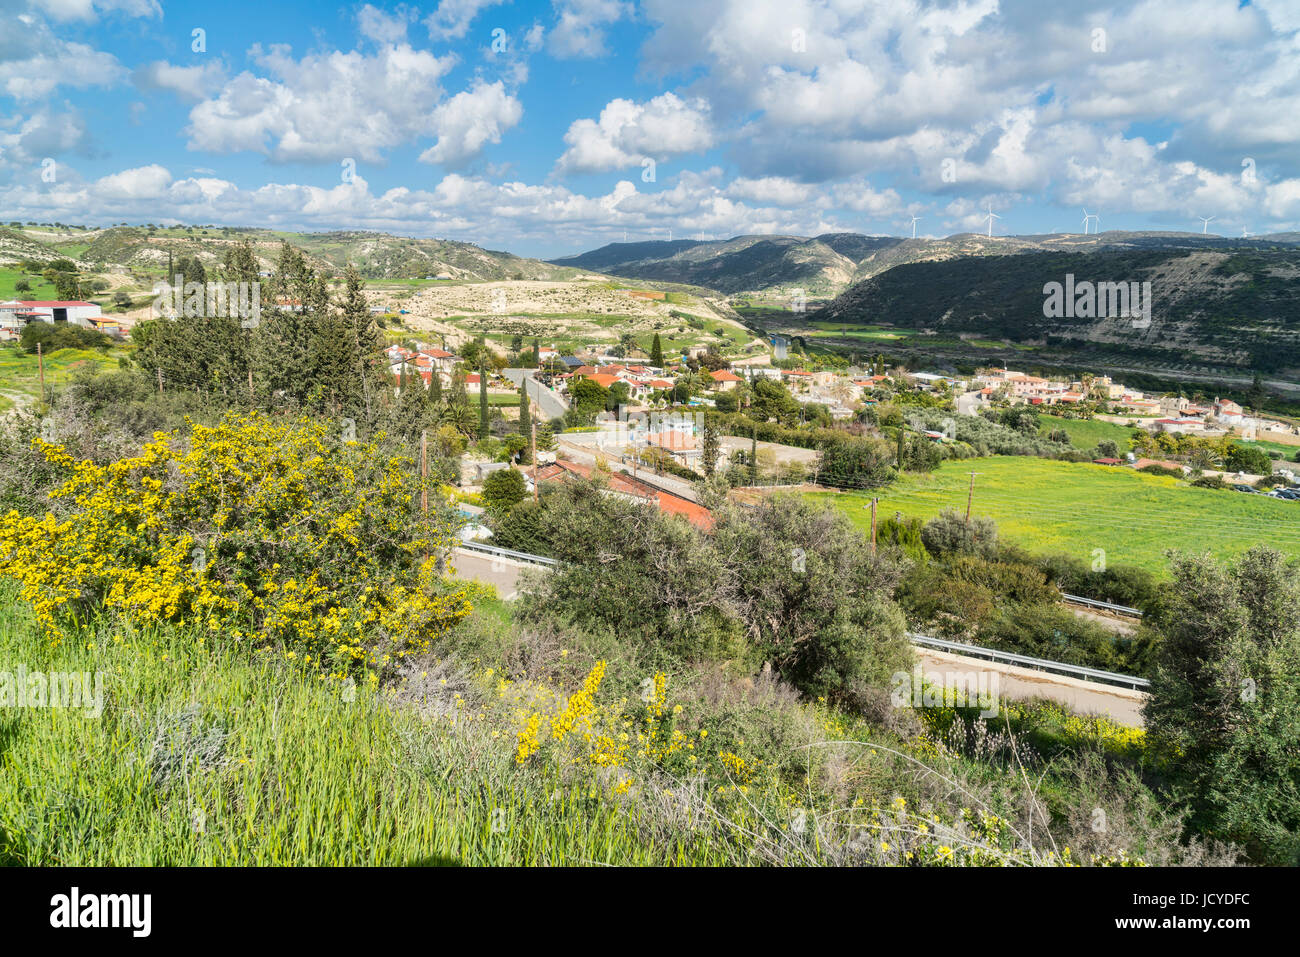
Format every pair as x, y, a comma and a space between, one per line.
205, 757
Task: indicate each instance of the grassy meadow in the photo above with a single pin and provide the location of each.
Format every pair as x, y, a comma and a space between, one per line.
1076, 507
41, 287
20, 372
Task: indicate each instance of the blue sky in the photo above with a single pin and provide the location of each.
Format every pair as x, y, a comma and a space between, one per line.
546, 128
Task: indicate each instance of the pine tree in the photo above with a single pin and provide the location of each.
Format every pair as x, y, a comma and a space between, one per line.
753, 457
657, 352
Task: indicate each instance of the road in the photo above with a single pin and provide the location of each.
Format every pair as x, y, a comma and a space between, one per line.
1082, 697
503, 573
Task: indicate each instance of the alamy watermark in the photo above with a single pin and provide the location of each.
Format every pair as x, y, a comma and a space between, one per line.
948, 689
197, 300
58, 689
1098, 300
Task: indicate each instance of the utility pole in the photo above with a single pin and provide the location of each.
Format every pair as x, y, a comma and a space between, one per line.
970, 496
160, 388
424, 473
533, 423
873, 523
40, 364
250, 385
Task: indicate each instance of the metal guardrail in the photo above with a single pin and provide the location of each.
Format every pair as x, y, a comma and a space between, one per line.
970, 651
1041, 664
507, 553
1093, 603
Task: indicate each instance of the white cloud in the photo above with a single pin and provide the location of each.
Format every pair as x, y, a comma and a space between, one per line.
579, 29
144, 182
28, 139
777, 190
469, 120
384, 27
188, 82
59, 64
324, 106
451, 19
626, 132
91, 9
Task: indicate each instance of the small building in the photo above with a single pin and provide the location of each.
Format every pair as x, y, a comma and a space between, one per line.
724, 380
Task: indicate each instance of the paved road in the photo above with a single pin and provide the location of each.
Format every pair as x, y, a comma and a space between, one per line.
1082, 697
504, 573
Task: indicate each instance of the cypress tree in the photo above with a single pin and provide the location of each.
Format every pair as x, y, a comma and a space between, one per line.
525, 414
657, 352
435, 386
484, 426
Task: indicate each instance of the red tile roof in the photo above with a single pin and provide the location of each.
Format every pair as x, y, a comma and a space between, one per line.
724, 375
669, 504
53, 303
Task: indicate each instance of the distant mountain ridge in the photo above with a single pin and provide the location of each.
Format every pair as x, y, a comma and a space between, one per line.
1226, 307
377, 255
827, 265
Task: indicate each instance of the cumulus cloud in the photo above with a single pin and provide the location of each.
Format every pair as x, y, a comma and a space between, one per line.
29, 139
188, 82
580, 26
626, 132
382, 26
470, 120
58, 64
91, 9
324, 106
459, 206
451, 19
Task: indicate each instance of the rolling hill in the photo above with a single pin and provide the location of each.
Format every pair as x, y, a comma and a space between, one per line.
377, 255
1233, 309
824, 266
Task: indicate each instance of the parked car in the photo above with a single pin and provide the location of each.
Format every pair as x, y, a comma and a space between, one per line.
1243, 488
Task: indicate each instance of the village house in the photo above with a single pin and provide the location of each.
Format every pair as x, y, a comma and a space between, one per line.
627, 486
724, 380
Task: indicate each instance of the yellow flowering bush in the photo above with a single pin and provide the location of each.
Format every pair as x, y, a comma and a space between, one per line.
270, 532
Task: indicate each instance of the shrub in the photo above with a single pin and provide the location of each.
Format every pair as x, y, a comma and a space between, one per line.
504, 488
1225, 700
271, 534
950, 532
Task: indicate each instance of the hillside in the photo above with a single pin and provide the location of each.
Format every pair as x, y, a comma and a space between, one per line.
377, 255
820, 266
826, 265
1230, 309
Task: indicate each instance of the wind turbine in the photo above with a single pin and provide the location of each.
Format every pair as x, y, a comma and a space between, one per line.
1244, 234
915, 220
1205, 224
1087, 216
990, 217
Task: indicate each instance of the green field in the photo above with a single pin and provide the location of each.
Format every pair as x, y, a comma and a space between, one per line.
40, 288
1086, 433
20, 373
837, 330
1076, 507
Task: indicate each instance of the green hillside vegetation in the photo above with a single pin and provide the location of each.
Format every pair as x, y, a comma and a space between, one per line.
1045, 505
1229, 309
